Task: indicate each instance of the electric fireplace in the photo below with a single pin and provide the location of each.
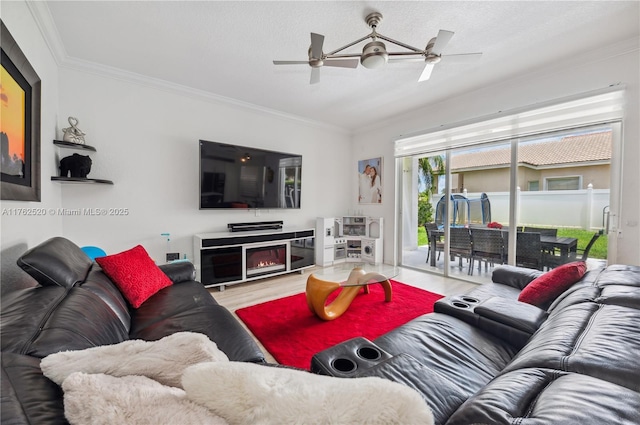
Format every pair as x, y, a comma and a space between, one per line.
266, 259
233, 257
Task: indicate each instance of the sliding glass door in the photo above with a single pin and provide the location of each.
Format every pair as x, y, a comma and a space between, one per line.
460, 188
565, 189
559, 185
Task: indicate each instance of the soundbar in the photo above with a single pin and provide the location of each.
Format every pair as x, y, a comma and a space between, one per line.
259, 225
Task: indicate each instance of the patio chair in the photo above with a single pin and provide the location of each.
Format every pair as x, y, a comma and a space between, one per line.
428, 227
486, 245
529, 250
544, 231
460, 243
585, 251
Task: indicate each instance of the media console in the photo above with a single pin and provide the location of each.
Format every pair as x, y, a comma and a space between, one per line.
227, 258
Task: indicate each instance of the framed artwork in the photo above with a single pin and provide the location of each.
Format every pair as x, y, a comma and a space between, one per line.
19, 123
370, 181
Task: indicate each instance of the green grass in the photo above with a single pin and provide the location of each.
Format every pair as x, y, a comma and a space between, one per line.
422, 236
598, 250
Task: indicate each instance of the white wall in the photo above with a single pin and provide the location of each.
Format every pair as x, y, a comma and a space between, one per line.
598, 69
20, 232
147, 143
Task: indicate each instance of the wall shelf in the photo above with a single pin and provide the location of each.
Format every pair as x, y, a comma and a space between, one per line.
79, 180
72, 145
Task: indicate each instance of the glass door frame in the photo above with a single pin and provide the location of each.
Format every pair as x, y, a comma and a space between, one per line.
615, 196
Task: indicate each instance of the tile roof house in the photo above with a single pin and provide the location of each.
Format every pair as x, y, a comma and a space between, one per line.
571, 162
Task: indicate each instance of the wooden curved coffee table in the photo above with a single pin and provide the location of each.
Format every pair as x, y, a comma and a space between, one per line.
319, 290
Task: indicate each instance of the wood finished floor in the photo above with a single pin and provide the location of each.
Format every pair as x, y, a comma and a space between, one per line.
251, 293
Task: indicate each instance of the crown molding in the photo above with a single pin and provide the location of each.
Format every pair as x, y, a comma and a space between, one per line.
167, 86
46, 24
42, 15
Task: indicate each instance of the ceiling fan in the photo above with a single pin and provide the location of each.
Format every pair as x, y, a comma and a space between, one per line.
318, 59
374, 53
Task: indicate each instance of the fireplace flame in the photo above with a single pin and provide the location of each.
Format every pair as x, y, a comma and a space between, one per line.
266, 264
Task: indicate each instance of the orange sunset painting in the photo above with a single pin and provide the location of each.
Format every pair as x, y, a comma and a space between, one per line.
12, 125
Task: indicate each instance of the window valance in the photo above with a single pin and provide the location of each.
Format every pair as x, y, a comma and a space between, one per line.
601, 106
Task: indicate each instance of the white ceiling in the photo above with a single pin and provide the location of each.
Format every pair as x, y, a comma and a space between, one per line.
226, 48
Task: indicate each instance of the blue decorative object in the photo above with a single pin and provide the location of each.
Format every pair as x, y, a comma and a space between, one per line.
93, 252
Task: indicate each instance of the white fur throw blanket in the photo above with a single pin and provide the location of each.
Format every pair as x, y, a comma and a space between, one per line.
140, 382
164, 360
106, 400
246, 393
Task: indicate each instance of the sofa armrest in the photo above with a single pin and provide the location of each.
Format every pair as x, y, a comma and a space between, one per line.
180, 271
516, 277
502, 316
516, 314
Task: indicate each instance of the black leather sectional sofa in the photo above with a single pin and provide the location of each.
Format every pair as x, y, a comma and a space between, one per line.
485, 358
480, 358
77, 306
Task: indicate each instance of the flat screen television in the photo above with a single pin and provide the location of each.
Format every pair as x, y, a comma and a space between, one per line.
234, 176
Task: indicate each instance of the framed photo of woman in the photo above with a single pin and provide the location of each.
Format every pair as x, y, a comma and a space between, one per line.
370, 181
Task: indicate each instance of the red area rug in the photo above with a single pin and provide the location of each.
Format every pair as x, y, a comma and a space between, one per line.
292, 334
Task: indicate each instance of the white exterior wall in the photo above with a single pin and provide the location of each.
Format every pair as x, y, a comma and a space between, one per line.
567, 208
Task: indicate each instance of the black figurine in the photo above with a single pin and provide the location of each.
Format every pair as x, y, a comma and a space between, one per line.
78, 165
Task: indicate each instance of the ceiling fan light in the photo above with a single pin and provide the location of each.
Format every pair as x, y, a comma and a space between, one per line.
315, 63
433, 59
374, 55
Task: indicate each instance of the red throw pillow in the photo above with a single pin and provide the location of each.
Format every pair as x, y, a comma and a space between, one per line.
135, 274
546, 288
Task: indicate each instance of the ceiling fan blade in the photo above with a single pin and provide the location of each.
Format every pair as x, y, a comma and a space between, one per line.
426, 72
405, 59
442, 39
291, 62
317, 40
343, 63
462, 57
406, 56
315, 76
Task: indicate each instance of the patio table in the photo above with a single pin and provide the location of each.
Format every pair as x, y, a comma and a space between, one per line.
567, 246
